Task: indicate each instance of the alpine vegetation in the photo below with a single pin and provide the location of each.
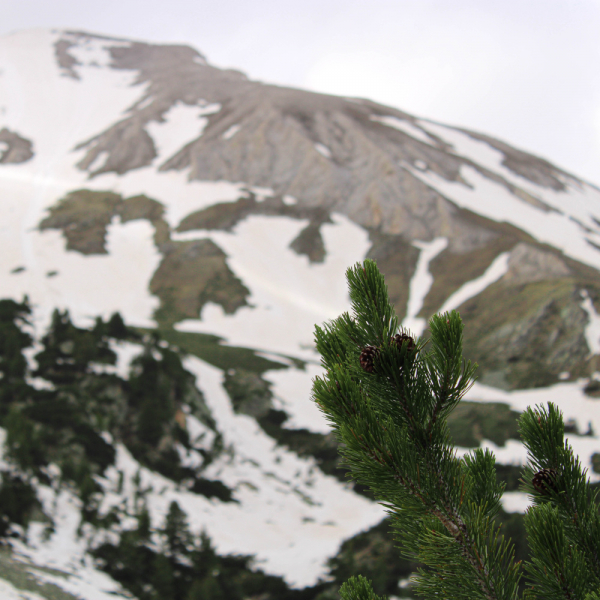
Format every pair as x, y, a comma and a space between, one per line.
388, 397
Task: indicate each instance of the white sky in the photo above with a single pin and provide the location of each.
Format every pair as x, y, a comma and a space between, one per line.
527, 71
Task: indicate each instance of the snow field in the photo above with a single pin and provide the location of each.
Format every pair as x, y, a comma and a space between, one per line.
421, 283
179, 196
64, 550
580, 200
494, 201
291, 515
181, 125
89, 286
292, 393
72, 111
288, 295
573, 215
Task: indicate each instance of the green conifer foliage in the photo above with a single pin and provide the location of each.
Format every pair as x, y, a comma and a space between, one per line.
116, 327
69, 350
388, 397
13, 340
170, 563
17, 501
177, 532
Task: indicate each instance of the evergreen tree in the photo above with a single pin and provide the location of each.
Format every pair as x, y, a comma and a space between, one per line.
176, 531
388, 396
116, 327
69, 350
13, 340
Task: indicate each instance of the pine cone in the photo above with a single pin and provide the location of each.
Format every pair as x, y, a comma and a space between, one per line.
367, 358
403, 338
544, 481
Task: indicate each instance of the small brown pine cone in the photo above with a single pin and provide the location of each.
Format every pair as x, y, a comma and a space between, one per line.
544, 481
403, 338
367, 358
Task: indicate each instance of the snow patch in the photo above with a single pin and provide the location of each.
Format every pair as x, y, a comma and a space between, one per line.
201, 437
592, 329
64, 549
405, 127
516, 502
231, 131
98, 162
512, 453
261, 192
145, 103
324, 150
180, 125
10, 592
468, 147
421, 283
292, 391
189, 458
126, 352
92, 52
474, 287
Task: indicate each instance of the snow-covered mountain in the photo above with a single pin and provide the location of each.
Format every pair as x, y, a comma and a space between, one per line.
137, 178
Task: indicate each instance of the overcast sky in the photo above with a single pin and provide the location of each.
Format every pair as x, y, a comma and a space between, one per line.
527, 71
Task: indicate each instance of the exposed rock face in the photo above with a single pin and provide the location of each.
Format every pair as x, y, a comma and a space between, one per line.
363, 173
525, 335
528, 264
14, 148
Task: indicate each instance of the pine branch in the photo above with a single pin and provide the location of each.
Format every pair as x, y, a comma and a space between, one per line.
388, 400
388, 397
556, 481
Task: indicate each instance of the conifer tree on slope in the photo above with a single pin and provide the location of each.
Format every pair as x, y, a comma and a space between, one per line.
388, 397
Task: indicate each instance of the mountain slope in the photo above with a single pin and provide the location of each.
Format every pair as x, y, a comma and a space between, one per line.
217, 215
